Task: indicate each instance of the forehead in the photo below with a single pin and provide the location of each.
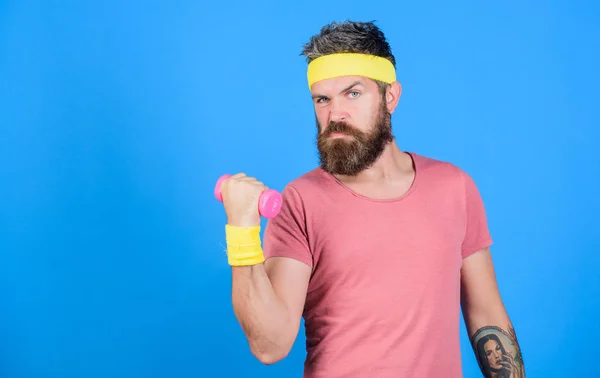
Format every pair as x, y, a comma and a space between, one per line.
338, 84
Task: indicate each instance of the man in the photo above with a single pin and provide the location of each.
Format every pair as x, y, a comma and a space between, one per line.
376, 248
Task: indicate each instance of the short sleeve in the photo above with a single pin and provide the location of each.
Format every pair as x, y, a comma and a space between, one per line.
285, 235
477, 234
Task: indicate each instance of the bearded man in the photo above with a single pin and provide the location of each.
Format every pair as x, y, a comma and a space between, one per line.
376, 248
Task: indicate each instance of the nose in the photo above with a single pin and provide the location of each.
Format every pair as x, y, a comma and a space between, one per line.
336, 111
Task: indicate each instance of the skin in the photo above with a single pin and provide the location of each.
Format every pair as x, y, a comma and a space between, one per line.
268, 298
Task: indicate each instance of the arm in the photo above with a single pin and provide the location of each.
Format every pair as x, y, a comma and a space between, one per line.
268, 293
489, 327
268, 300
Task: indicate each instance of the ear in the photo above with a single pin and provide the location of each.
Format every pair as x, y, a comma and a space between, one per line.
392, 96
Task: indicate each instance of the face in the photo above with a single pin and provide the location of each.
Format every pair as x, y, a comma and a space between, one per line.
493, 353
353, 121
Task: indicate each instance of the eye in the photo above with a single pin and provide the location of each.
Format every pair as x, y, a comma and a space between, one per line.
353, 94
321, 100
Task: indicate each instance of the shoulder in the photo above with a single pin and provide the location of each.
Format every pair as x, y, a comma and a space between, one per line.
438, 168
442, 173
309, 190
309, 183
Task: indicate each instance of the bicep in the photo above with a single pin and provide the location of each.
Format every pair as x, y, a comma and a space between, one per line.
290, 279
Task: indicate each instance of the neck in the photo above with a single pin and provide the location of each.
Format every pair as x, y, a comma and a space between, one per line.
392, 165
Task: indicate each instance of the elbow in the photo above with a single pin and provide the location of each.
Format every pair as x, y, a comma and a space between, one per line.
272, 356
269, 359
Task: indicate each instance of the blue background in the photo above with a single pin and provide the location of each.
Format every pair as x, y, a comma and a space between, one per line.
116, 119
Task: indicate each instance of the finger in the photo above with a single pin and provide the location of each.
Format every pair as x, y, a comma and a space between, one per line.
235, 177
242, 179
261, 186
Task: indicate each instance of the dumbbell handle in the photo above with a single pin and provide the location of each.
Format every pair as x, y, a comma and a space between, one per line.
269, 202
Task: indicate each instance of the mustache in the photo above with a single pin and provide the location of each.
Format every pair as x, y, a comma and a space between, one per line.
340, 127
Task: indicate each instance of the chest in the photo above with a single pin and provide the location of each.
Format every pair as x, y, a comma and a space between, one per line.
373, 245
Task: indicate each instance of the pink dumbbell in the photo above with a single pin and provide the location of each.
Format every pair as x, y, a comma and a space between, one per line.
269, 202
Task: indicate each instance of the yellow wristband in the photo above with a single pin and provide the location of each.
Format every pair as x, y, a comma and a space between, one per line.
243, 245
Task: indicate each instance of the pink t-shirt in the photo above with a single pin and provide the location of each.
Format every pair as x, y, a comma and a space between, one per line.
384, 295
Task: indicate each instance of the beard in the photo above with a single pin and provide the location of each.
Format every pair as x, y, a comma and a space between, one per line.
349, 157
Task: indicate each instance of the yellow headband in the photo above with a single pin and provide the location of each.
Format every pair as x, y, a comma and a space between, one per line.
349, 64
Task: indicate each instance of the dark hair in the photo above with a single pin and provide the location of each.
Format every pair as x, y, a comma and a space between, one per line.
349, 37
482, 359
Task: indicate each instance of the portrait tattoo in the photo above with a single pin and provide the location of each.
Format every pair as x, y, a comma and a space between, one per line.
498, 353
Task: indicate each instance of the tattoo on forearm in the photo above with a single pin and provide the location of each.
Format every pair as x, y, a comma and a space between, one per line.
498, 352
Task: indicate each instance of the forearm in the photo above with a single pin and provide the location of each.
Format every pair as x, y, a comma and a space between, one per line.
494, 342
261, 313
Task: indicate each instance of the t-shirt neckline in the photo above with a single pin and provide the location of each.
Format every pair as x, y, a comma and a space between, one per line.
411, 189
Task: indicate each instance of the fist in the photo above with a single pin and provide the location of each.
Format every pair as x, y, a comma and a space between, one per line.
240, 200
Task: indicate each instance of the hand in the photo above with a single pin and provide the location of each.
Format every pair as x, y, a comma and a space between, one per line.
240, 199
508, 363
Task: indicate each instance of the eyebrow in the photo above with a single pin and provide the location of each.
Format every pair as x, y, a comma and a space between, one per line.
358, 82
